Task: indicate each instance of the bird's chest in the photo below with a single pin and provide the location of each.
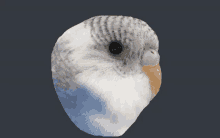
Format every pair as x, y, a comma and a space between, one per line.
126, 96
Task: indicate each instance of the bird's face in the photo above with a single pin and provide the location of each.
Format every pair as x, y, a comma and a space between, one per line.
115, 60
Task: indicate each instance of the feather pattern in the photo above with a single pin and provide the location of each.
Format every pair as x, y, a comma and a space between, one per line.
80, 60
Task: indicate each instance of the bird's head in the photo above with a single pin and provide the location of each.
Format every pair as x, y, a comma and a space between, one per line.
115, 57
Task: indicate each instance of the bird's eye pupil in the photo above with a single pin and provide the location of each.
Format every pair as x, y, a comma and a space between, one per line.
115, 48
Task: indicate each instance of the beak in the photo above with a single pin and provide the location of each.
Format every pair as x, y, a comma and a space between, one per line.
154, 74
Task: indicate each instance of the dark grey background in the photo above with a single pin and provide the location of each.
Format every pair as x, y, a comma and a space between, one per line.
187, 104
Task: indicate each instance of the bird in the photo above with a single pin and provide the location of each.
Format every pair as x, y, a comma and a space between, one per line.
105, 72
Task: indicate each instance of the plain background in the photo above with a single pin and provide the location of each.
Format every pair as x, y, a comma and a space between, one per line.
187, 105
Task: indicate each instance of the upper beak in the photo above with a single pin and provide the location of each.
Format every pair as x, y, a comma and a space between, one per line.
154, 74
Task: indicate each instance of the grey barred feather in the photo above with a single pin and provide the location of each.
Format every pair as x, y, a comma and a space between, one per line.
105, 29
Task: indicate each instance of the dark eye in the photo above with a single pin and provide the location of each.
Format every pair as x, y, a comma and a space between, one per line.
115, 48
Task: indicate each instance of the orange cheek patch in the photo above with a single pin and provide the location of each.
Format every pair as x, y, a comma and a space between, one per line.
154, 74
